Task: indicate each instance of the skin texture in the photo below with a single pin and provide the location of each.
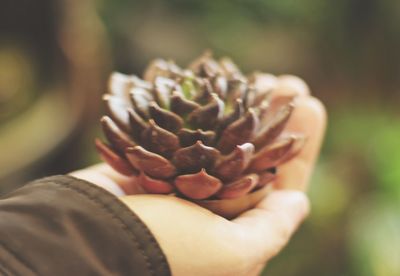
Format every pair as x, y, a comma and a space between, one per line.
198, 242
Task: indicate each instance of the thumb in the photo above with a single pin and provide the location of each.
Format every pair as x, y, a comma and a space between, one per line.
266, 229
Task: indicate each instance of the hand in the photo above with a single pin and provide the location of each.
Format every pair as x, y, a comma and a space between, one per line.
198, 242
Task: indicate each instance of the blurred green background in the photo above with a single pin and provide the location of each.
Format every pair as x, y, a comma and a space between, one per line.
55, 56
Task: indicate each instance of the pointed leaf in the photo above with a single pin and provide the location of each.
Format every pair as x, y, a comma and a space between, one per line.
175, 70
164, 118
248, 93
138, 82
274, 127
188, 88
276, 153
204, 92
262, 110
255, 96
164, 82
159, 140
239, 132
198, 186
141, 99
157, 67
298, 144
211, 68
231, 208
232, 165
188, 137
117, 138
152, 164
113, 159
162, 68
263, 84
220, 84
195, 157
154, 186
120, 84
238, 188
278, 103
182, 106
138, 125
205, 66
236, 90
265, 178
206, 117
229, 118
162, 90
117, 110
163, 97
229, 68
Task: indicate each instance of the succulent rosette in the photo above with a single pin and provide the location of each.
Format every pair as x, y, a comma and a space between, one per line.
207, 133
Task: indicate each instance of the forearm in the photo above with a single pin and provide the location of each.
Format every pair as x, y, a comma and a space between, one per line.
65, 226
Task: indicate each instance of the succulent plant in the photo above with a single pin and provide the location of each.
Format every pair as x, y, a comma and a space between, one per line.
206, 133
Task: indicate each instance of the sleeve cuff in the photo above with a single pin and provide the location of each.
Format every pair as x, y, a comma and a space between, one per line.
71, 226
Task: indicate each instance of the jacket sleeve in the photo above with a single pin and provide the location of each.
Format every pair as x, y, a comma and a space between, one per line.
64, 226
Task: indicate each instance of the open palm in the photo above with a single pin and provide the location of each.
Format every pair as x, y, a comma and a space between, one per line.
198, 242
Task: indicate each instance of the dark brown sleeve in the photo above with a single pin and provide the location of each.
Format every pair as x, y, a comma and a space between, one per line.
64, 226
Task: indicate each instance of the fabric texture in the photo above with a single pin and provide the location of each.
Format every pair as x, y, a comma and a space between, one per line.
61, 225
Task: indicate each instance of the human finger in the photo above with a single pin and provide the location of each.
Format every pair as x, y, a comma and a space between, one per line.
309, 119
265, 229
